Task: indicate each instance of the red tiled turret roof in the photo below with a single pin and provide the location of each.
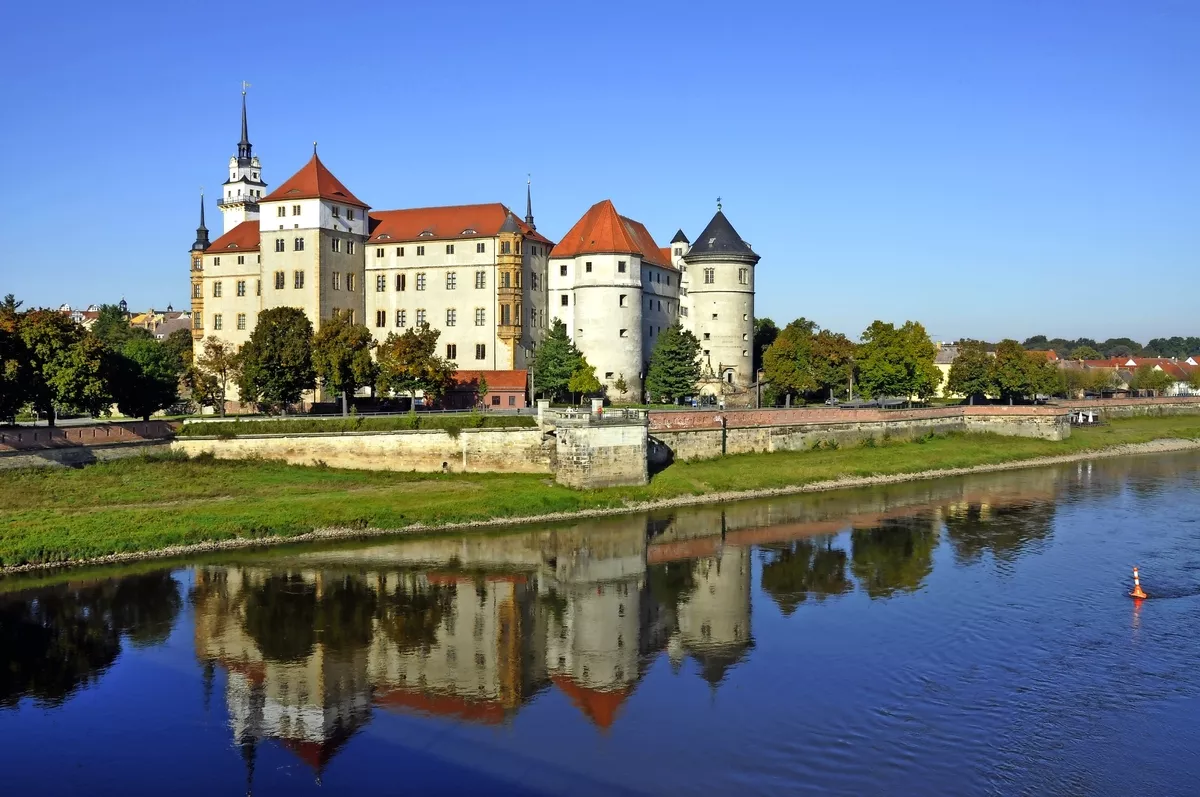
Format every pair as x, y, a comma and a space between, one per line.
604, 231
600, 706
242, 238
314, 181
451, 221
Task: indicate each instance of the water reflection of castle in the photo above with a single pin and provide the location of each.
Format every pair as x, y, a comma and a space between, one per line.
471, 628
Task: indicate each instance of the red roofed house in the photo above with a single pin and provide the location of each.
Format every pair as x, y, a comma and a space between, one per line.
505, 390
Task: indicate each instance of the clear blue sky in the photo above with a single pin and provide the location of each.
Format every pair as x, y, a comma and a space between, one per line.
990, 169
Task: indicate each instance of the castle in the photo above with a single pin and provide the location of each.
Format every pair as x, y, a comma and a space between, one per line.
484, 277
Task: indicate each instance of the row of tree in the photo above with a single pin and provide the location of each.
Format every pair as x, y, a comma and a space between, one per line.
1088, 349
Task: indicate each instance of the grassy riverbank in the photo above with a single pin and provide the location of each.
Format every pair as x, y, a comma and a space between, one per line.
52, 515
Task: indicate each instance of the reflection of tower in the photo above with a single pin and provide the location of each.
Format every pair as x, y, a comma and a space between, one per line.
714, 622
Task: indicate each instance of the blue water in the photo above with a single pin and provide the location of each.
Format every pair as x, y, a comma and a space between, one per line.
959, 637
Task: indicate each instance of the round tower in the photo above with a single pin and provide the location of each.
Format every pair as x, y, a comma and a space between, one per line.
720, 282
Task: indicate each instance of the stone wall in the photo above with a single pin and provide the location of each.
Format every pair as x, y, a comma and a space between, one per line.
78, 456
427, 451
1129, 408
601, 454
25, 438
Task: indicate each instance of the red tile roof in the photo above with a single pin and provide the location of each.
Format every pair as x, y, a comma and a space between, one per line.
497, 380
604, 231
242, 238
665, 251
314, 181
600, 706
450, 222
1049, 355
488, 712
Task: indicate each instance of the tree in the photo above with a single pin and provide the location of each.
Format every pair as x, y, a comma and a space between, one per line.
13, 358
555, 361
277, 362
1147, 377
409, 363
481, 391
341, 355
1100, 380
674, 365
765, 333
621, 385
218, 366
180, 343
113, 329
66, 367
147, 378
897, 362
788, 361
833, 360
1085, 353
971, 371
1194, 379
1121, 347
583, 382
1014, 371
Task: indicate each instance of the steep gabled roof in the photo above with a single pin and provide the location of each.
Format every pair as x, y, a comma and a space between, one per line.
314, 181
680, 238
242, 238
604, 231
449, 222
719, 239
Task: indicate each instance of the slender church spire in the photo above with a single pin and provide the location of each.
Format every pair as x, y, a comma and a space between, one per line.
244, 151
529, 204
201, 232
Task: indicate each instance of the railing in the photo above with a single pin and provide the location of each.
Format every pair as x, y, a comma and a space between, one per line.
239, 200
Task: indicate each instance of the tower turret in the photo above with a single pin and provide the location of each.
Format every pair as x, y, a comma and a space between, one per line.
202, 241
243, 190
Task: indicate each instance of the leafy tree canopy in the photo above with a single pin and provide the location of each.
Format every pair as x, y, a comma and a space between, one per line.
554, 362
765, 333
66, 366
147, 378
180, 343
971, 372
897, 362
1085, 353
113, 329
219, 365
674, 365
277, 364
1147, 377
788, 362
409, 363
342, 355
584, 382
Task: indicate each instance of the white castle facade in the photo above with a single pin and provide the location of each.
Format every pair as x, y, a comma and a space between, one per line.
484, 277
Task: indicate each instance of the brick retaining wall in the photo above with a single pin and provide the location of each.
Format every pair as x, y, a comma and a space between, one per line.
26, 438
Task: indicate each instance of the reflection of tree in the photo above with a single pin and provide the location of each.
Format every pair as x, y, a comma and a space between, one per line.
281, 616
1006, 531
794, 570
59, 639
671, 583
895, 556
410, 616
345, 614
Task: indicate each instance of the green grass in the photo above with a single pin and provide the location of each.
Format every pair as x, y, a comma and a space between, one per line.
357, 423
140, 504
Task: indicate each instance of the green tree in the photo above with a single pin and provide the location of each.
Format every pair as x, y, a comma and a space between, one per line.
1194, 378
1147, 377
408, 363
1100, 380
219, 365
147, 378
1085, 353
583, 382
180, 343
1015, 372
13, 357
795, 570
897, 362
971, 371
621, 385
277, 361
113, 329
833, 361
765, 333
67, 367
674, 365
788, 363
341, 355
554, 362
481, 391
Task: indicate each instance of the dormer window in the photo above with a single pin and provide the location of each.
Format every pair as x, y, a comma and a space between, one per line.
426, 233
468, 231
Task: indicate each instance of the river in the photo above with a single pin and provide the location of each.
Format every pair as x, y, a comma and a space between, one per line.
959, 637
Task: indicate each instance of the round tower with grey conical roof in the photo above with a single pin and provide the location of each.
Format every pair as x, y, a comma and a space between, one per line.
720, 300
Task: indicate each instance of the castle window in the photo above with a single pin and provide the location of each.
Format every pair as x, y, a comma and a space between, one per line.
668, 280
349, 282
608, 374
279, 280
714, 316
295, 210
451, 351
337, 280
562, 270
254, 175
621, 300
495, 400
241, 321
621, 266
744, 276
624, 333
708, 276
420, 250
451, 280
505, 315
420, 280
336, 211
298, 245
679, 251
480, 279
535, 283
399, 251
480, 248
298, 279
588, 267
745, 336
451, 317
379, 251
480, 316
216, 261
350, 315
744, 355
745, 317
281, 211
241, 260
517, 276
279, 242
381, 318
217, 289
197, 320
399, 282
518, 246
659, 301
197, 290
241, 287
350, 214
658, 277
505, 247
449, 249
217, 321
336, 244
565, 300
480, 351
420, 317
401, 319
533, 316
349, 247
380, 283
706, 352
258, 287
707, 336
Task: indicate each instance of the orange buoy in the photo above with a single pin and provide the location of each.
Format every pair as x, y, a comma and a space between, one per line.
1137, 586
